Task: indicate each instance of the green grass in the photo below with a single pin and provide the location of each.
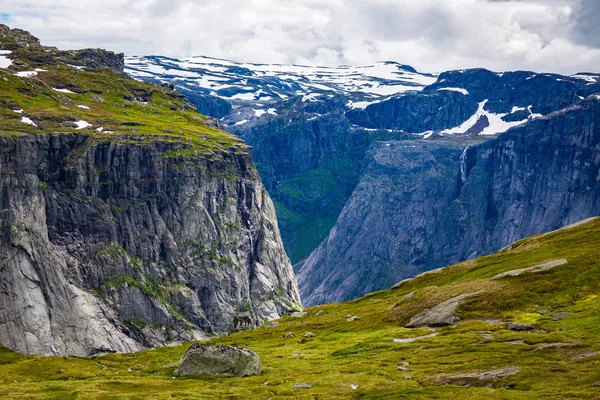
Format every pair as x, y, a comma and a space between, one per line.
362, 352
166, 117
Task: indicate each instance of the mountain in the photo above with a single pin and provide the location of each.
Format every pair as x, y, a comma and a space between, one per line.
520, 324
128, 219
369, 190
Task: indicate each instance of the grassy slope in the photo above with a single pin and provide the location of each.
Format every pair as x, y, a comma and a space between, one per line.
166, 117
362, 352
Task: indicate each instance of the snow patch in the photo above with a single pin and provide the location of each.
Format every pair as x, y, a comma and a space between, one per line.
496, 123
19, 111
259, 113
454, 89
81, 124
99, 129
587, 77
515, 109
26, 74
272, 111
63, 91
310, 97
5, 62
28, 121
242, 122
83, 107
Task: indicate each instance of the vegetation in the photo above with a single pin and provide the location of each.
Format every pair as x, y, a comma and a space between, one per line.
561, 303
128, 111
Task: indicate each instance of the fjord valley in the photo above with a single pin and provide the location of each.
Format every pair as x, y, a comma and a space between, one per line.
442, 229
380, 172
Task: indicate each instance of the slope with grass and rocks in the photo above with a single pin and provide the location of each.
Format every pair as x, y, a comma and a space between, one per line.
128, 220
519, 324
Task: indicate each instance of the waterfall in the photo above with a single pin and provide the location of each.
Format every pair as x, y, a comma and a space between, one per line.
463, 165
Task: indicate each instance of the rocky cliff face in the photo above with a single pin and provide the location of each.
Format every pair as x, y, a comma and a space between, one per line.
425, 204
120, 232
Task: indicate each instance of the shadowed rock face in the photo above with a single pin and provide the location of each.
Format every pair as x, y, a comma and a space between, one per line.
103, 245
421, 205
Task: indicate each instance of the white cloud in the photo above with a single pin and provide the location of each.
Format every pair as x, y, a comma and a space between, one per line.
431, 35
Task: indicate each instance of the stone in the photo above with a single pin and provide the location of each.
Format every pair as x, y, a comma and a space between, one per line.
487, 378
272, 325
400, 368
302, 386
320, 313
581, 356
352, 318
242, 322
558, 345
309, 335
206, 360
299, 314
533, 269
440, 315
289, 335
412, 339
560, 316
516, 326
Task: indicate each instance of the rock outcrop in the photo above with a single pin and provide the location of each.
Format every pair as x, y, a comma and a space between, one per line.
204, 360
116, 239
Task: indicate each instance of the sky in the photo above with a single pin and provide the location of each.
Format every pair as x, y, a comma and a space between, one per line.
431, 35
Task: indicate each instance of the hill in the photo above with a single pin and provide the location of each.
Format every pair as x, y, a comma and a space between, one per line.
519, 324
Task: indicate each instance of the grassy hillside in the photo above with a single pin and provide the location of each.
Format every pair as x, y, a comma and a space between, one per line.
47, 91
560, 358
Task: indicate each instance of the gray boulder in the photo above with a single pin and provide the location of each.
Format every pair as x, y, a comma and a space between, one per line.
516, 326
205, 360
440, 315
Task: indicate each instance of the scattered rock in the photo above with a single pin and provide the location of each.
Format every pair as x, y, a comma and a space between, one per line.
242, 322
129, 370
557, 345
320, 312
302, 386
405, 369
440, 315
309, 335
352, 318
536, 268
299, 314
517, 342
409, 296
593, 384
560, 316
487, 378
289, 335
410, 340
272, 325
581, 356
516, 326
353, 386
403, 364
543, 311
407, 377
202, 359
297, 354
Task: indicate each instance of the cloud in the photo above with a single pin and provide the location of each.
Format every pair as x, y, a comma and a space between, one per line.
432, 35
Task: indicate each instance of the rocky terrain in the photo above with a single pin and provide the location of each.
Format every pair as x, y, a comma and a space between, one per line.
386, 186
128, 220
519, 324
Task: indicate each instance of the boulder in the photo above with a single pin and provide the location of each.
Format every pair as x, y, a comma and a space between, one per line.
516, 326
289, 335
440, 315
320, 312
205, 360
272, 325
242, 322
302, 386
309, 335
536, 268
299, 314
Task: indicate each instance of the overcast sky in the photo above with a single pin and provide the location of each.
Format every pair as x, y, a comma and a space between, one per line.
431, 35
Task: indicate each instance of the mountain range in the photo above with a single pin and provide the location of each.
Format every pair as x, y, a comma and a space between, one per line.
380, 172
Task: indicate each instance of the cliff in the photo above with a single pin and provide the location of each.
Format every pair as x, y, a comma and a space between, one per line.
127, 220
445, 201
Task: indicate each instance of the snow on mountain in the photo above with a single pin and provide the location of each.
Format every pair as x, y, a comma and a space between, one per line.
268, 83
